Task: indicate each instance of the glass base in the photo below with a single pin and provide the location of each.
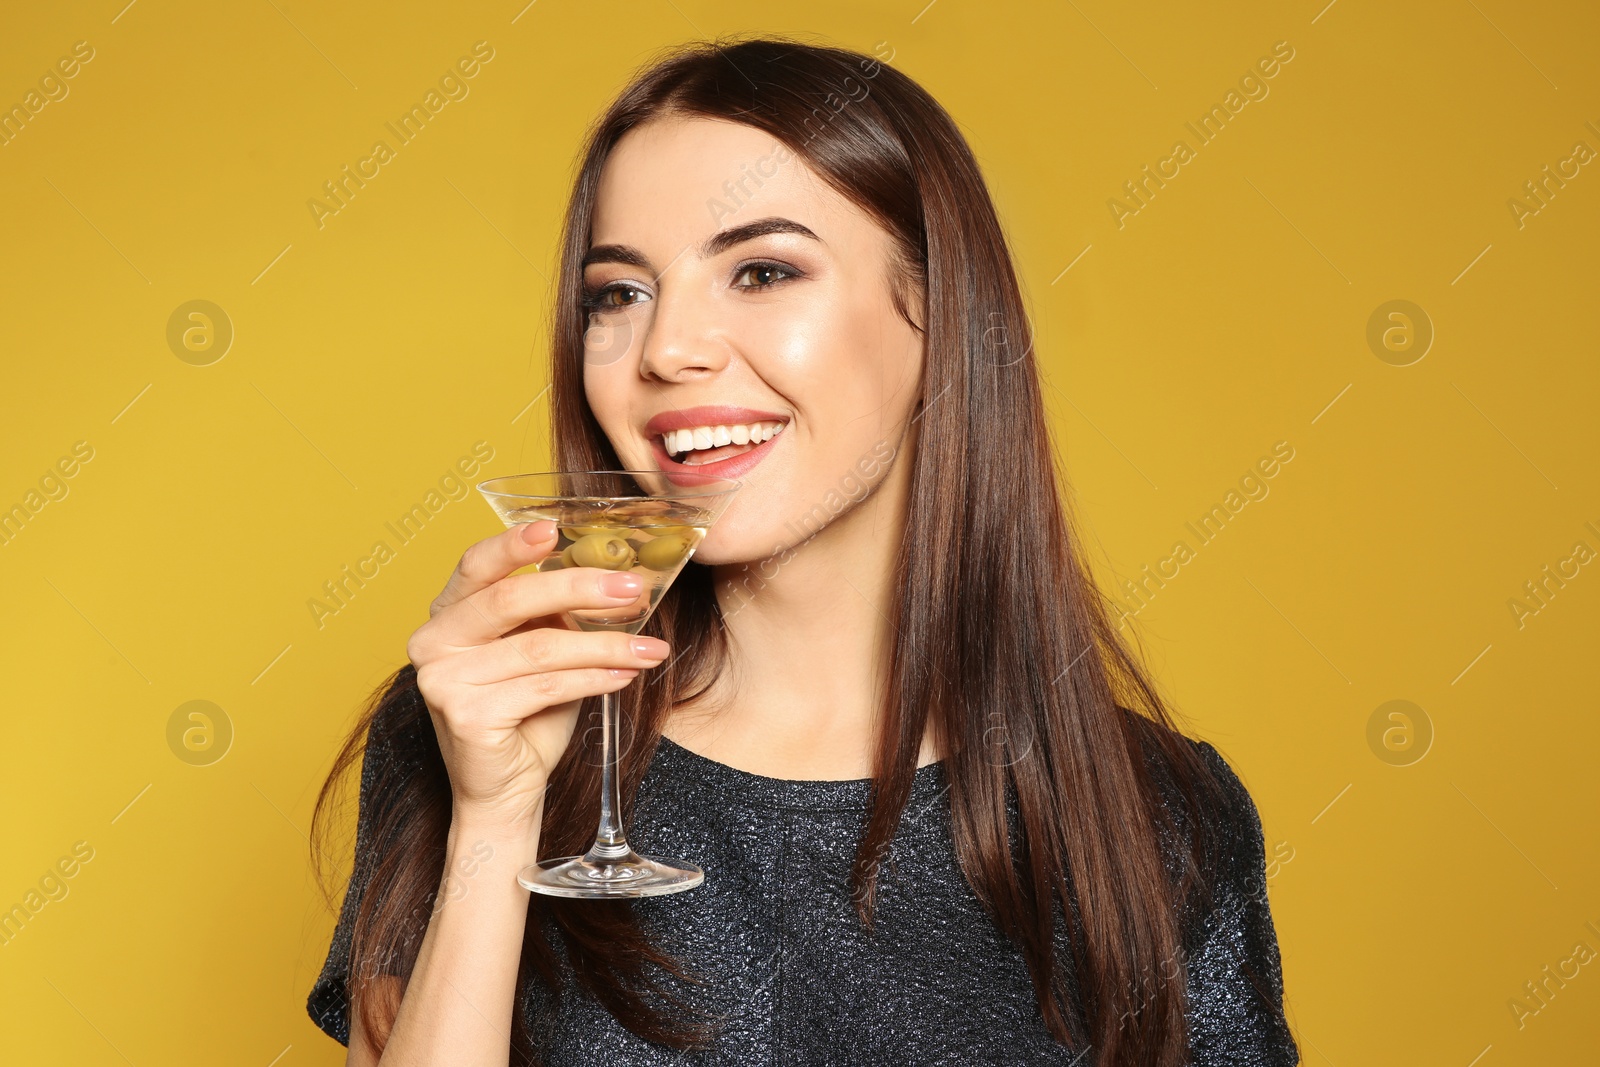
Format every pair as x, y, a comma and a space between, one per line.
631, 875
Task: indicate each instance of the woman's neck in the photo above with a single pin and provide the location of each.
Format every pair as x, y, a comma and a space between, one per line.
810, 631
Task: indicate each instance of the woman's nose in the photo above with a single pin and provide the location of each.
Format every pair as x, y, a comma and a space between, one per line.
682, 337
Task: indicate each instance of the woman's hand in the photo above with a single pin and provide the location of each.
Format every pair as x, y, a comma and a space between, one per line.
503, 675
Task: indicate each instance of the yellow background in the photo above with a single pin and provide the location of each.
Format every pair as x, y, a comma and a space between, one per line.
1228, 314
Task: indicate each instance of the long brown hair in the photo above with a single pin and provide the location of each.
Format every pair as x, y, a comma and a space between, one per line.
1001, 637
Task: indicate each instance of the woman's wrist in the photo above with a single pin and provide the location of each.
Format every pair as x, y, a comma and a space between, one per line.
459, 1001
494, 824
482, 851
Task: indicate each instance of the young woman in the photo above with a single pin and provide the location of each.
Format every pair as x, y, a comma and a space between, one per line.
943, 813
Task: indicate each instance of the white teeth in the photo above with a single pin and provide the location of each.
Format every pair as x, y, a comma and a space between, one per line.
699, 438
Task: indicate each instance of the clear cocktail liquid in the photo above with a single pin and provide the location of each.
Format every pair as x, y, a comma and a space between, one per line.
651, 538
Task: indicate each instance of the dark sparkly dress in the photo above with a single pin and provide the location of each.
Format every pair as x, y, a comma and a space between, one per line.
798, 980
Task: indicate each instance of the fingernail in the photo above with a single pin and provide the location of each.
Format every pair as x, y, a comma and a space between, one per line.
534, 532
616, 673
621, 586
650, 648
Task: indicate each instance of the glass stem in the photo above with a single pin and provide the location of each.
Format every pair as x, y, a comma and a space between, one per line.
609, 842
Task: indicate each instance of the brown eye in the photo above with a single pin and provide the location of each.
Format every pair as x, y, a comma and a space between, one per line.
601, 299
766, 274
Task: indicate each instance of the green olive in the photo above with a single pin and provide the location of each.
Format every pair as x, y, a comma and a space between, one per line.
605, 550
666, 552
580, 532
663, 531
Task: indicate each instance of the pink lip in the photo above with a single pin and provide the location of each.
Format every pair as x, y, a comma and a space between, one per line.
715, 415
732, 467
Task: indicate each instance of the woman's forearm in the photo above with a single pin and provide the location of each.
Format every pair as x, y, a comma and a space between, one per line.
458, 1003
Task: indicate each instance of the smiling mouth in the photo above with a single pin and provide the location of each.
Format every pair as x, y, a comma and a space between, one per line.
700, 445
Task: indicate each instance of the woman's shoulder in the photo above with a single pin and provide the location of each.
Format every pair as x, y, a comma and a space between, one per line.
1175, 761
1209, 822
1234, 967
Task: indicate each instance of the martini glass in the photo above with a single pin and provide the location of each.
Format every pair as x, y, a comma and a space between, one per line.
648, 523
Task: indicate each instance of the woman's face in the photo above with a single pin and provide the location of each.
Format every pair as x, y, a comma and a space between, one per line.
696, 330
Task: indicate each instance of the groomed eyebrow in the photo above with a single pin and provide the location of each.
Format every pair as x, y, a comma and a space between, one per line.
716, 244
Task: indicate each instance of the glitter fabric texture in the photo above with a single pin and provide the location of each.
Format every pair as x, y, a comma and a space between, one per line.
796, 979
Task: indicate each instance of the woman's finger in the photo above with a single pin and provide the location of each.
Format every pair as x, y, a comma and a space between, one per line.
508, 603
520, 698
491, 559
547, 649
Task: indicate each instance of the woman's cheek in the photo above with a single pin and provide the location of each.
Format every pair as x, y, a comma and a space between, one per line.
603, 387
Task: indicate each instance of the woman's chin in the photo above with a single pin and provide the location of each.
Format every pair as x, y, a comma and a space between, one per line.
728, 547
708, 555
